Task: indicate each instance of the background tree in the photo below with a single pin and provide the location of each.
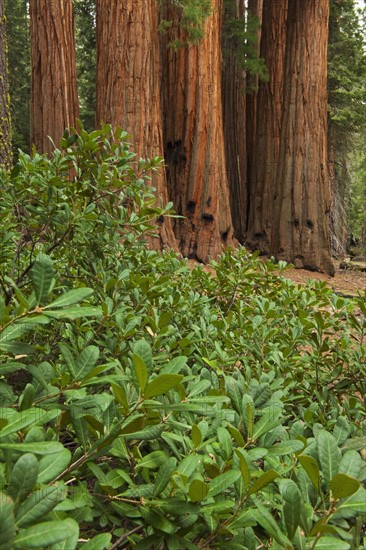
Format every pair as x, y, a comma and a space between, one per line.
5, 121
128, 85
54, 104
194, 138
17, 27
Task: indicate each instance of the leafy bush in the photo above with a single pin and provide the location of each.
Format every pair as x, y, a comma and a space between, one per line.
148, 405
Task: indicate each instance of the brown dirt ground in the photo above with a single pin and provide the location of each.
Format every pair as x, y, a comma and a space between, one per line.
345, 281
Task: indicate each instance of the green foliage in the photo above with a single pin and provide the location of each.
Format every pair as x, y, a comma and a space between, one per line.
192, 17
147, 405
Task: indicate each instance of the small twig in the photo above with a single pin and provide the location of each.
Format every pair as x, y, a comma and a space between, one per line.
125, 536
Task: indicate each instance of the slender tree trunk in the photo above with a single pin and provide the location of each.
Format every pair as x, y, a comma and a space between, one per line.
300, 230
255, 8
269, 111
234, 118
194, 140
128, 87
5, 121
54, 103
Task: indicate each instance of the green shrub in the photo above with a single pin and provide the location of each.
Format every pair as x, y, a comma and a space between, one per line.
147, 405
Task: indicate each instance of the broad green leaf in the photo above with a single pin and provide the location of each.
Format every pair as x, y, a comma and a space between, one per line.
351, 464
140, 370
188, 465
223, 481
16, 348
286, 448
262, 481
7, 522
224, 439
198, 490
341, 430
175, 365
311, 467
22, 420
331, 543
355, 444
42, 275
143, 350
292, 506
68, 358
135, 425
23, 476
74, 312
162, 384
329, 454
153, 460
355, 502
120, 395
86, 361
14, 331
343, 486
196, 436
80, 425
270, 419
266, 520
164, 474
51, 466
46, 533
244, 469
247, 411
99, 542
44, 448
234, 392
27, 397
236, 435
71, 297
39, 503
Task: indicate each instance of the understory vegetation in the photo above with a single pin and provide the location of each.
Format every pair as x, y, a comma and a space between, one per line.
149, 405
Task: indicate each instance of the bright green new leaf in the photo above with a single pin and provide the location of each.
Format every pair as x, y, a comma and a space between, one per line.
42, 275
329, 454
7, 522
23, 476
162, 384
262, 481
343, 486
311, 467
46, 533
198, 490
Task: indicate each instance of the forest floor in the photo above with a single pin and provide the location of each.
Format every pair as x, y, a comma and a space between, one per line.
345, 281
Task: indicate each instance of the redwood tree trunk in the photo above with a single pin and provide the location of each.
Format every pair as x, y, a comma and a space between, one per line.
5, 123
300, 232
234, 101
54, 103
269, 109
194, 140
128, 87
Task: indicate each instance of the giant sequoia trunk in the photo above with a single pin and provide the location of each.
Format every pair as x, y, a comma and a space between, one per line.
290, 193
54, 104
234, 110
5, 125
301, 205
194, 144
128, 88
269, 109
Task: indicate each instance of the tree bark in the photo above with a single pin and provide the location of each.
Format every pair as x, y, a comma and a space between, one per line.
194, 139
5, 119
234, 101
54, 101
300, 231
128, 87
269, 111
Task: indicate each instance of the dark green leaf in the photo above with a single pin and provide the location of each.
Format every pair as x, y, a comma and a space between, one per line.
7, 522
162, 384
46, 533
23, 476
343, 485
